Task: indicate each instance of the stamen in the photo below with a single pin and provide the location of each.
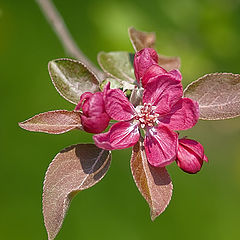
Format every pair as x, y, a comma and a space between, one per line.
146, 115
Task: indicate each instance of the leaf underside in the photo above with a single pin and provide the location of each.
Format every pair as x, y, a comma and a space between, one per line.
141, 39
73, 169
53, 122
169, 63
71, 78
218, 95
154, 183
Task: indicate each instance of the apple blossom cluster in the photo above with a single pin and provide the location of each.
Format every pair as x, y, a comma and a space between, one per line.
137, 101
161, 113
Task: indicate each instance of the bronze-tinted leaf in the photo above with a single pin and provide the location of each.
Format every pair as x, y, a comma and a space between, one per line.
140, 39
117, 65
71, 78
153, 183
218, 95
74, 169
169, 63
53, 122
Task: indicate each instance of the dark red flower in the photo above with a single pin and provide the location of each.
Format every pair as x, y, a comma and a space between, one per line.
163, 111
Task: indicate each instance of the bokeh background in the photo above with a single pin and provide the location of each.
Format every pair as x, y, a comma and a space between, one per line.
204, 33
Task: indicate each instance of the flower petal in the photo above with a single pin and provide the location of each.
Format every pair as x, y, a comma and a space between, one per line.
120, 135
156, 70
193, 145
95, 124
85, 96
183, 115
161, 146
144, 59
117, 105
163, 91
190, 155
152, 71
95, 105
205, 158
176, 73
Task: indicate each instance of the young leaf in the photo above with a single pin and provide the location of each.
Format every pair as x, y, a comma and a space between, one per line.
169, 63
218, 95
114, 83
140, 39
117, 65
153, 183
71, 79
74, 169
53, 122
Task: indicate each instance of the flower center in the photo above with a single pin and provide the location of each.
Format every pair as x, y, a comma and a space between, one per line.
146, 115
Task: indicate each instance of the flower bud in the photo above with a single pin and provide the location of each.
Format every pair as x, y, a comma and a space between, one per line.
94, 117
190, 155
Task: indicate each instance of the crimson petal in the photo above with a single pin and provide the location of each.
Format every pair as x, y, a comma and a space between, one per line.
156, 70
117, 105
163, 91
95, 124
120, 135
193, 145
144, 59
152, 71
176, 73
161, 146
205, 158
190, 155
183, 115
95, 105
85, 96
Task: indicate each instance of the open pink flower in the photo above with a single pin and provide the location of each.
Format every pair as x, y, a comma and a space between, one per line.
163, 111
190, 155
94, 118
146, 66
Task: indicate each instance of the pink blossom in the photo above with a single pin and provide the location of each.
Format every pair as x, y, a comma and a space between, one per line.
162, 112
190, 155
146, 66
94, 118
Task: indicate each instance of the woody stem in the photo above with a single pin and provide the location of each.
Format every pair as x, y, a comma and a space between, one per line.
57, 23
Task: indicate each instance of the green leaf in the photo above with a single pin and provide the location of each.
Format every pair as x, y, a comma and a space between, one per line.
53, 122
117, 65
114, 83
218, 95
153, 183
71, 79
140, 39
74, 169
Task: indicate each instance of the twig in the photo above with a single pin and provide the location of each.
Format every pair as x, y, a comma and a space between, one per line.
60, 28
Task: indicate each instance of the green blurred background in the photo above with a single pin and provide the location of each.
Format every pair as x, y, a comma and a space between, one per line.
205, 34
